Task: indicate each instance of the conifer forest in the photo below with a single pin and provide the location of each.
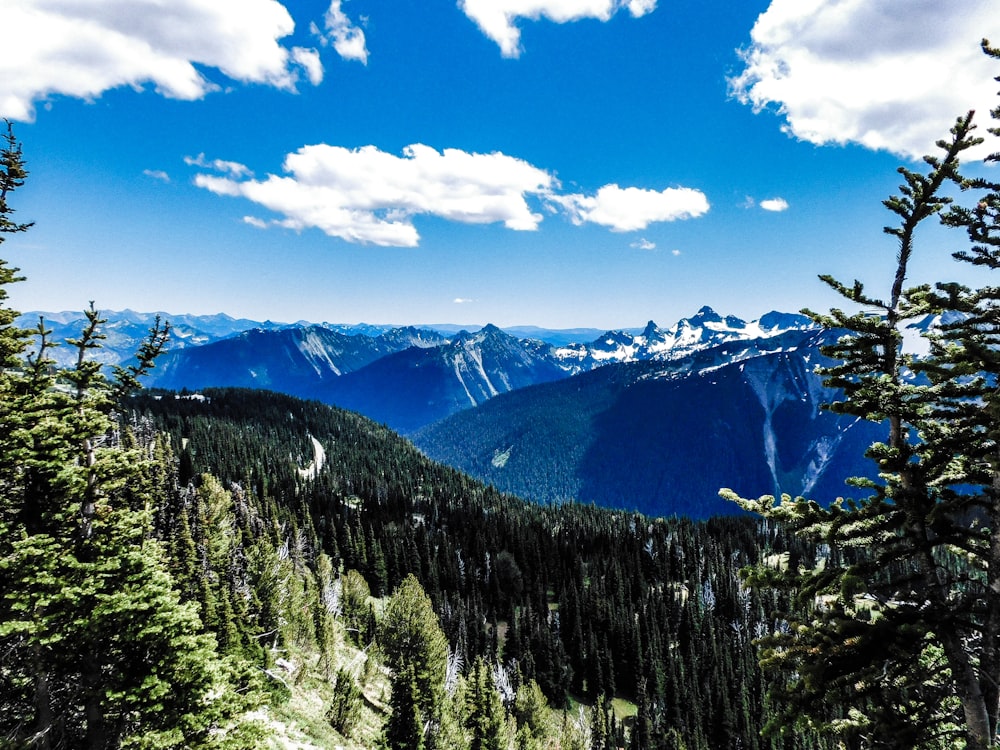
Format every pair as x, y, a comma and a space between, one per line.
235, 568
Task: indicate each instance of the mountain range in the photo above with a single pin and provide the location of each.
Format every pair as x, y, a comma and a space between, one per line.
663, 437
411, 377
298, 360
653, 419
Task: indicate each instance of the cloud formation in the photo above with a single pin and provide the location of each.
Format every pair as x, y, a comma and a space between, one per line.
643, 244
232, 168
347, 39
629, 209
368, 196
870, 72
774, 204
86, 47
497, 18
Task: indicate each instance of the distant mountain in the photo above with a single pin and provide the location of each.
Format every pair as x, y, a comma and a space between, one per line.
297, 360
663, 436
126, 329
371, 370
417, 386
704, 329
412, 389
556, 337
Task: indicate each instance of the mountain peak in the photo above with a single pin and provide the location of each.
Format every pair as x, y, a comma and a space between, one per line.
775, 320
706, 313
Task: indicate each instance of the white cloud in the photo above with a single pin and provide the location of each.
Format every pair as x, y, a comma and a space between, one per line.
308, 60
675, 252
369, 196
462, 300
643, 244
496, 18
629, 209
347, 39
879, 73
86, 47
232, 168
157, 174
255, 222
774, 204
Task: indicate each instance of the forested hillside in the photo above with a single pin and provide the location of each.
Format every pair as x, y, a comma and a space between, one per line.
592, 605
662, 437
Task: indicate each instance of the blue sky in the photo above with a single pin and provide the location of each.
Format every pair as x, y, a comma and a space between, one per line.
560, 163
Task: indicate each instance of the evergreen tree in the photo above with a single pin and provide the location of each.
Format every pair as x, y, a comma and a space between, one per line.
97, 649
416, 651
405, 728
599, 725
345, 707
895, 641
485, 713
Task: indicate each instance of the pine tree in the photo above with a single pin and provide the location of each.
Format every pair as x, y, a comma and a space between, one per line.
405, 728
897, 630
416, 651
98, 651
599, 725
345, 707
485, 714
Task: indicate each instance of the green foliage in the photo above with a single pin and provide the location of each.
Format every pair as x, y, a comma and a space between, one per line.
416, 651
406, 728
345, 708
894, 639
485, 715
605, 597
97, 649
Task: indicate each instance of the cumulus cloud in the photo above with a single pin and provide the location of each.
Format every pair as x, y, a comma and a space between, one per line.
462, 300
347, 39
629, 209
870, 72
643, 244
675, 252
369, 196
774, 204
497, 18
86, 47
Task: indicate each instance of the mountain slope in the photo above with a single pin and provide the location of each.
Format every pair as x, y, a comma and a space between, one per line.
415, 387
663, 437
296, 360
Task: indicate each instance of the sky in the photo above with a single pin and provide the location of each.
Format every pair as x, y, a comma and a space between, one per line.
559, 163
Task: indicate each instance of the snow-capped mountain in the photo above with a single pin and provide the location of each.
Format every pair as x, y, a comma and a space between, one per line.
704, 329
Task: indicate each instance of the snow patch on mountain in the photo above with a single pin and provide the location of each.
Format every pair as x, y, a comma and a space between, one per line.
703, 330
